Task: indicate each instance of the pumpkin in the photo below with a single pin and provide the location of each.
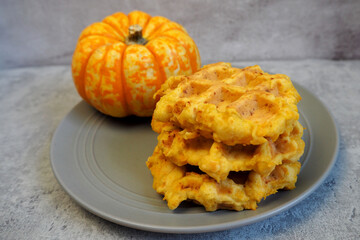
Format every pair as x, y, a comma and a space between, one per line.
119, 63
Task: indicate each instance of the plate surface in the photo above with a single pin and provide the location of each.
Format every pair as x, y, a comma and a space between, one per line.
100, 162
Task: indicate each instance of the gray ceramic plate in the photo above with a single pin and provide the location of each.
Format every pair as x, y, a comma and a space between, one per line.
100, 162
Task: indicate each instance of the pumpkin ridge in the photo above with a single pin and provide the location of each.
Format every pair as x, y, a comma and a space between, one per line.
154, 24
104, 67
122, 82
81, 76
147, 22
161, 69
137, 12
179, 59
174, 28
93, 94
159, 33
186, 49
157, 29
122, 32
98, 87
111, 92
99, 35
120, 35
101, 29
159, 59
193, 62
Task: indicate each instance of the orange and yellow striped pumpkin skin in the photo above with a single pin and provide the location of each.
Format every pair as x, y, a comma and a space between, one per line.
119, 79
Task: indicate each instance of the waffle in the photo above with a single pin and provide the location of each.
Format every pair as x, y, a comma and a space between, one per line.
228, 137
241, 190
217, 159
229, 105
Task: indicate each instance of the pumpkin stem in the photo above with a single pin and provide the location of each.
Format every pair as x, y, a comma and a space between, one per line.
135, 35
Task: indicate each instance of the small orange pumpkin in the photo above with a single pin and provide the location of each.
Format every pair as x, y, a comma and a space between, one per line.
119, 63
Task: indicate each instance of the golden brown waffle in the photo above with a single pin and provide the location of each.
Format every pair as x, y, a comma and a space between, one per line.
228, 137
217, 159
229, 105
242, 190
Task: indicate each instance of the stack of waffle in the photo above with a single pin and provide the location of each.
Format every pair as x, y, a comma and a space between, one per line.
228, 137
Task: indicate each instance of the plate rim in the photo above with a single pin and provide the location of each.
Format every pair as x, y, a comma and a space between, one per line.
205, 228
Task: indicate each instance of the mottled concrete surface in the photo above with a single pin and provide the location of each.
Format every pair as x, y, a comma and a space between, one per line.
41, 32
34, 206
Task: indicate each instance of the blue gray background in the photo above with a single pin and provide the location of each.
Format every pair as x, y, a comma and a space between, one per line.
45, 32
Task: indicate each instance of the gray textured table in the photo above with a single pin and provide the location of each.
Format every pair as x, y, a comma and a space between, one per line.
34, 206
